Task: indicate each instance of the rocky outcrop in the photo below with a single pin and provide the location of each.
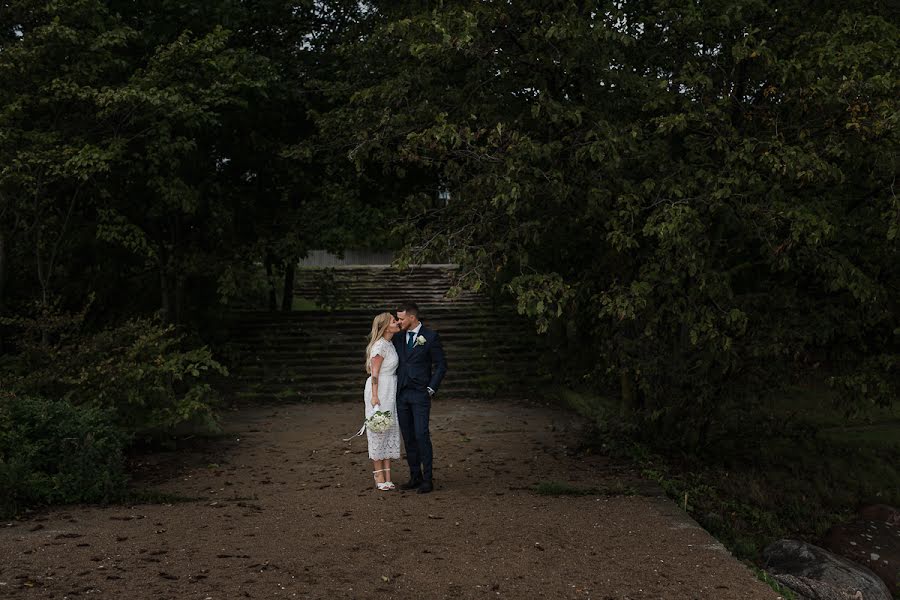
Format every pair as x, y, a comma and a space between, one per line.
817, 574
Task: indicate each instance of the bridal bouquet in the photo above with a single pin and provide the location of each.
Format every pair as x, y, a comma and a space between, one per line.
380, 421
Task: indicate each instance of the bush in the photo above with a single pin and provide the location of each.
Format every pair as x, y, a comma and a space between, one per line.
53, 452
142, 371
792, 468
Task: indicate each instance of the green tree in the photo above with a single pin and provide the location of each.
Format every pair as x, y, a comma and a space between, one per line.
51, 157
704, 193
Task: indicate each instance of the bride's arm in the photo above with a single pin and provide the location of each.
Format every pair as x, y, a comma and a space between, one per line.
376, 370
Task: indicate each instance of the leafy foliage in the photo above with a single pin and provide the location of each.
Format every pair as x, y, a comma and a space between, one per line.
697, 201
791, 468
154, 155
706, 191
331, 292
141, 372
150, 148
54, 452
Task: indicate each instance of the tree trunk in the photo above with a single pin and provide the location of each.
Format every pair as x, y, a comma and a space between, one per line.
43, 280
39, 263
178, 275
165, 305
273, 299
3, 270
180, 292
630, 400
287, 296
165, 302
739, 89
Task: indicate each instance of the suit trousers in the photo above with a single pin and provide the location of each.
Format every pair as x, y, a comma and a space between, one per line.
413, 412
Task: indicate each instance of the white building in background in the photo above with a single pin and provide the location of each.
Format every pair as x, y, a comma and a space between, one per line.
357, 258
323, 258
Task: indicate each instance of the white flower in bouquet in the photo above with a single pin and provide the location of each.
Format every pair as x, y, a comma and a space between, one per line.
380, 421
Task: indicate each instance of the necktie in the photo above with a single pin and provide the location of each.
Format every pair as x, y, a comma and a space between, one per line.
411, 341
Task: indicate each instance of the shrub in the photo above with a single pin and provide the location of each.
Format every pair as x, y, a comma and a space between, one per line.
54, 452
142, 371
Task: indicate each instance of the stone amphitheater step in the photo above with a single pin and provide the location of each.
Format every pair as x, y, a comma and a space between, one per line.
256, 363
436, 313
363, 320
352, 385
357, 345
355, 386
372, 286
361, 328
355, 351
300, 359
356, 380
431, 289
362, 325
457, 365
393, 292
350, 378
309, 355
346, 396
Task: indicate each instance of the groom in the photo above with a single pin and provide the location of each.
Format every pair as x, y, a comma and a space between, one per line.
418, 349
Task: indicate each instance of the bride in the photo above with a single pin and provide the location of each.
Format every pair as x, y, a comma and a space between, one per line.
381, 395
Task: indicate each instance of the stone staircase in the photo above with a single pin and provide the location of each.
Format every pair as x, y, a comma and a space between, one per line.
308, 355
380, 287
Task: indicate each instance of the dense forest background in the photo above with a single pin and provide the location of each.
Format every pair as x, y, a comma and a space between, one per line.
696, 203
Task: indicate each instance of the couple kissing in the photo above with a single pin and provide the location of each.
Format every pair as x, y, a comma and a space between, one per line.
406, 364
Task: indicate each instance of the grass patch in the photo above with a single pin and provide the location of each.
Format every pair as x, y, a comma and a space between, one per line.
148, 496
300, 304
785, 593
287, 394
492, 384
794, 486
792, 467
555, 488
600, 410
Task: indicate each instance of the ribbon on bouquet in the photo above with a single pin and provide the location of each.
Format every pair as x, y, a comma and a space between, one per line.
362, 429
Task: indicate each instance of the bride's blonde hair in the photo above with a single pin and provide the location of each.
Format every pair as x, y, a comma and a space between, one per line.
380, 324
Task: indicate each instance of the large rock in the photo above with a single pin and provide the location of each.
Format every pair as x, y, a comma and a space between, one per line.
816, 574
873, 540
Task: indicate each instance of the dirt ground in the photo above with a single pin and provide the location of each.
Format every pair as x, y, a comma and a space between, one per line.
285, 509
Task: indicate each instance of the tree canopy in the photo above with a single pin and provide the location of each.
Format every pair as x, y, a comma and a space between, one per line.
701, 196
704, 192
152, 149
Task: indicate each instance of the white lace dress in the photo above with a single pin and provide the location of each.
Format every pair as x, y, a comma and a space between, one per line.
386, 444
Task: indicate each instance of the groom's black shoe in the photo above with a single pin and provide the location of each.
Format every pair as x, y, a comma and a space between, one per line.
425, 488
412, 484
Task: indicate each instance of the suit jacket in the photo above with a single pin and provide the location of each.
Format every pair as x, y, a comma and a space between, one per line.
415, 368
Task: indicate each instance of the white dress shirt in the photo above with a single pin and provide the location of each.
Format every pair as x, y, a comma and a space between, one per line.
415, 332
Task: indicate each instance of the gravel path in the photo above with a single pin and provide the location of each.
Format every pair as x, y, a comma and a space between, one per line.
287, 510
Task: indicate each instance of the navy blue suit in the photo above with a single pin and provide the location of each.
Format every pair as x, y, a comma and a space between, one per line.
414, 377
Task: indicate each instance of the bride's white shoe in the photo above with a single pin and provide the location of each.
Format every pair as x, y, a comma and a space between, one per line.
384, 486
387, 479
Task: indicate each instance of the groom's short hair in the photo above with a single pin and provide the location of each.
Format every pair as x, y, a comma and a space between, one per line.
410, 308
